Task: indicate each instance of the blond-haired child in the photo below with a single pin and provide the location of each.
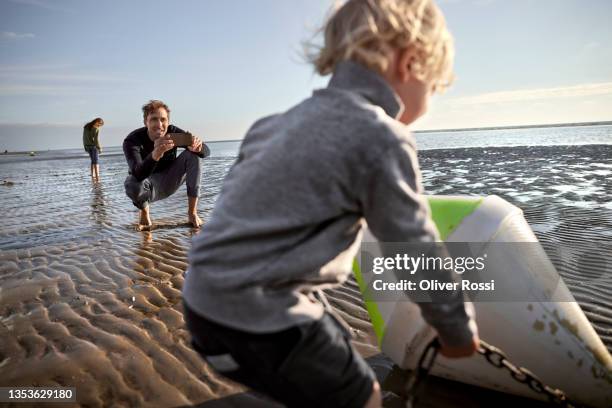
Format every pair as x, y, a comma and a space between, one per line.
289, 218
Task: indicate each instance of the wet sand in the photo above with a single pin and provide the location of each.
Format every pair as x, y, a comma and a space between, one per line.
87, 301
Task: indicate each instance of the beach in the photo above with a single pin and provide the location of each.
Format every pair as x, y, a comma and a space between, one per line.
87, 301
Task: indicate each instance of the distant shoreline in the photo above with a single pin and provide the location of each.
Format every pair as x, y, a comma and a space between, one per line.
601, 123
22, 153
551, 125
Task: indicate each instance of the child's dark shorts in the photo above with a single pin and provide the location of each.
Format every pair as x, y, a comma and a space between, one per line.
309, 365
93, 154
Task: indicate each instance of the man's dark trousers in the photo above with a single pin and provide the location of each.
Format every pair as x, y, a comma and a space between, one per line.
186, 167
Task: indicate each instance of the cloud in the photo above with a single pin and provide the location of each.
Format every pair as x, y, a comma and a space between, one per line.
602, 88
33, 89
10, 35
55, 79
59, 77
47, 5
39, 125
11, 68
593, 45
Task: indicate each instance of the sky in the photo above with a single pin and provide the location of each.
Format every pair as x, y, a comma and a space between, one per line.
221, 65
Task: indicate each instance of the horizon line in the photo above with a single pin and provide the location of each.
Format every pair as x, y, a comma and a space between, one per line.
542, 125
569, 124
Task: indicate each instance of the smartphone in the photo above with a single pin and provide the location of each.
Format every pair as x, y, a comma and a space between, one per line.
181, 139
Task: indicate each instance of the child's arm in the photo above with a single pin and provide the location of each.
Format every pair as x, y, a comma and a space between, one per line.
97, 139
396, 211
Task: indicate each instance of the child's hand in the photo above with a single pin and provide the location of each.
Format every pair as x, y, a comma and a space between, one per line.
457, 352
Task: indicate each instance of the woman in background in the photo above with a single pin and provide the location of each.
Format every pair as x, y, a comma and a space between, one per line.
91, 143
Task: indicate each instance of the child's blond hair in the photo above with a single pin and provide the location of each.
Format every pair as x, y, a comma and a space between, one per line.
367, 31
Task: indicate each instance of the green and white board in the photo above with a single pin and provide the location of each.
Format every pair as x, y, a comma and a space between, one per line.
552, 339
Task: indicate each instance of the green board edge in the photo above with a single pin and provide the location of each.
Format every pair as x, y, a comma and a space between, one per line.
447, 213
377, 320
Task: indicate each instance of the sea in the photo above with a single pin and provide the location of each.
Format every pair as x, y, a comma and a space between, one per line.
428, 140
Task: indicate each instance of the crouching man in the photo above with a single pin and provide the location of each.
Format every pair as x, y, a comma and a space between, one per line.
156, 172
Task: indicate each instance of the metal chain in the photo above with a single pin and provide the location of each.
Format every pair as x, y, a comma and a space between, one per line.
495, 357
415, 382
498, 359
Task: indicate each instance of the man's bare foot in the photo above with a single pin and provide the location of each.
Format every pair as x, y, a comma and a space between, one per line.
145, 224
192, 212
195, 220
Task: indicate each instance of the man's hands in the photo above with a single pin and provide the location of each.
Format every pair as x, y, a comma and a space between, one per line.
165, 143
161, 146
457, 352
196, 146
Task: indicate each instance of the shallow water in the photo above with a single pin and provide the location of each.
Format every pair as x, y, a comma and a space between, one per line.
86, 300
565, 193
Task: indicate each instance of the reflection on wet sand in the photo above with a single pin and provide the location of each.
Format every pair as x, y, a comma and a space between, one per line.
99, 205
